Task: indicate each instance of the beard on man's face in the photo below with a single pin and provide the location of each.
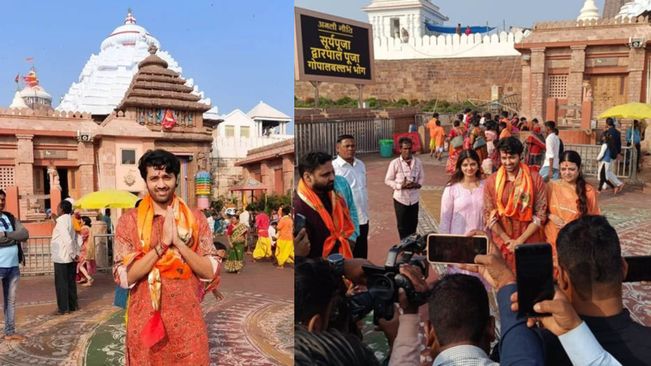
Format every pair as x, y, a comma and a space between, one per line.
324, 187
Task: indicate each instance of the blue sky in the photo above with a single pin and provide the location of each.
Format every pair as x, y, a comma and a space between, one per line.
470, 12
237, 52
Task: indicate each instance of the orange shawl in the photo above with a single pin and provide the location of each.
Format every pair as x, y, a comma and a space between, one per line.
169, 265
520, 204
339, 224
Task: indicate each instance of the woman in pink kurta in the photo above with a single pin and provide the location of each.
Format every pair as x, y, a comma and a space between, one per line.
186, 340
462, 202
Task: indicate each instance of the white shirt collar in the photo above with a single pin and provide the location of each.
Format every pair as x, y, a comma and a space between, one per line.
341, 161
459, 353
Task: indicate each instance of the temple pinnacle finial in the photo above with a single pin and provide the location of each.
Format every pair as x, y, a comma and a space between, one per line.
130, 19
152, 48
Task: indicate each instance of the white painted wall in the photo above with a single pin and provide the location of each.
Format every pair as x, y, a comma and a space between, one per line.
236, 147
413, 20
448, 46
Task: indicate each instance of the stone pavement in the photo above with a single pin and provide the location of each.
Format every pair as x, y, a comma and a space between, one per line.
629, 212
253, 325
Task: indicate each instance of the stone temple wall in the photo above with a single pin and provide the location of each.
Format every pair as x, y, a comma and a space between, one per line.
450, 79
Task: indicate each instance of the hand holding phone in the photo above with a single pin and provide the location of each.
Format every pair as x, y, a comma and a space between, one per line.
563, 316
455, 249
534, 276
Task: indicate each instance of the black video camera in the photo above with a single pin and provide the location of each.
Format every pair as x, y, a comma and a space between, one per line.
384, 282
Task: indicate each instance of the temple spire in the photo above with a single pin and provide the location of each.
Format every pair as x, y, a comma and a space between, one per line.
130, 19
589, 11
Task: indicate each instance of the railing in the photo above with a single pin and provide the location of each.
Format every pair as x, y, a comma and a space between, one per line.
38, 258
322, 135
625, 168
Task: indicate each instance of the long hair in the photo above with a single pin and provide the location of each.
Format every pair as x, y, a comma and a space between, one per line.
457, 176
582, 203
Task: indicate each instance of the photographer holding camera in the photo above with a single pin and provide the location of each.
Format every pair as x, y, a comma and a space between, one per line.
324, 305
460, 328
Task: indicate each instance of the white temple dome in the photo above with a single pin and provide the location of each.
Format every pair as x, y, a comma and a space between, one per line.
106, 76
35, 92
589, 11
18, 102
129, 34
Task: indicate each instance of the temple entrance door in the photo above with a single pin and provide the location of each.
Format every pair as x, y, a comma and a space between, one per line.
182, 186
63, 181
608, 91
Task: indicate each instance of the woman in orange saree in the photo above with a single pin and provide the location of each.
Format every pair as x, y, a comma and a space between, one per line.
568, 198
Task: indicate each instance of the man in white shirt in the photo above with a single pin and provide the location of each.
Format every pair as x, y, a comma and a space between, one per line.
65, 252
354, 170
406, 177
552, 152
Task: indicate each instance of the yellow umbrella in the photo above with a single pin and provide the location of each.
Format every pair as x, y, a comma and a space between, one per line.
628, 111
107, 198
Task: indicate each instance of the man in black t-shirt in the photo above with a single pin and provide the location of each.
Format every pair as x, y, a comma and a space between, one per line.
591, 272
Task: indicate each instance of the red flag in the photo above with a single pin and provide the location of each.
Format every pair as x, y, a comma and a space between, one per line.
29, 59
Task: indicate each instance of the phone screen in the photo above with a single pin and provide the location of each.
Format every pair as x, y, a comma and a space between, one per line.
534, 276
455, 248
299, 223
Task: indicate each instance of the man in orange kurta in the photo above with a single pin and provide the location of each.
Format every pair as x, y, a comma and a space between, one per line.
515, 201
164, 254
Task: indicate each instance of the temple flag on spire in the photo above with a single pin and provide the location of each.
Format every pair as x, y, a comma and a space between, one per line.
29, 59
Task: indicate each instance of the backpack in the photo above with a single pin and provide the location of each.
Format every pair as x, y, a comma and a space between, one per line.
12, 221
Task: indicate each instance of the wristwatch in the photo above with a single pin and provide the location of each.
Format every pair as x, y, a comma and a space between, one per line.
336, 262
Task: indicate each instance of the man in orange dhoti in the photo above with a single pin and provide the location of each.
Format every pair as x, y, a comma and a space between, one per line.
515, 201
163, 252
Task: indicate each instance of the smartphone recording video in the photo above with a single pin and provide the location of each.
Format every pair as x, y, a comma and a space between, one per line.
451, 249
534, 276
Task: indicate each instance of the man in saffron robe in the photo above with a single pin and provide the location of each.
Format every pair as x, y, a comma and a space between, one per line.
163, 252
328, 223
515, 201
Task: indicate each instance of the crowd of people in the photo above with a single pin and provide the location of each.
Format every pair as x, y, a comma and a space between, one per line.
253, 232
512, 192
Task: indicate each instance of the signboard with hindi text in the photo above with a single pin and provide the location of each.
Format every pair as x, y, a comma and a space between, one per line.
332, 49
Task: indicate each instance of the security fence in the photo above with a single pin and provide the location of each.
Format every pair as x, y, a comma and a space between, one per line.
38, 258
625, 168
322, 135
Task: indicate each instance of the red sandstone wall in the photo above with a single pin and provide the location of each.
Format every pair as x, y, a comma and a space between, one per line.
446, 79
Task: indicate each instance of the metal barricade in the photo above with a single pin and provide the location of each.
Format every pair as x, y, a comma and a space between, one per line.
38, 260
103, 251
38, 257
322, 135
625, 168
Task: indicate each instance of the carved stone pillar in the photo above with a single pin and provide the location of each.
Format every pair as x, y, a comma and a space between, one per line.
24, 178
86, 152
537, 82
635, 74
575, 78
